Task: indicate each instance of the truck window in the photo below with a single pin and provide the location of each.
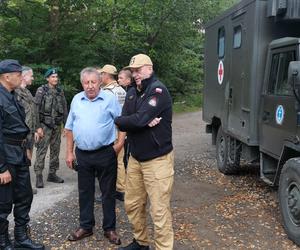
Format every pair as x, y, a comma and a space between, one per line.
283, 88
221, 42
237, 37
273, 73
278, 81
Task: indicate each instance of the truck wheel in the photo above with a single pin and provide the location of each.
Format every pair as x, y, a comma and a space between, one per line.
289, 198
228, 154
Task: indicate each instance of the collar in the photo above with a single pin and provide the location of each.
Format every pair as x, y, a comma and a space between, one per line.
99, 96
110, 85
9, 95
146, 82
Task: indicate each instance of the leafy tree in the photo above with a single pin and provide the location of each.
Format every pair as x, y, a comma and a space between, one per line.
73, 34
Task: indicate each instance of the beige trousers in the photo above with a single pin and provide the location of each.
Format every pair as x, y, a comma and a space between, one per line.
121, 176
154, 180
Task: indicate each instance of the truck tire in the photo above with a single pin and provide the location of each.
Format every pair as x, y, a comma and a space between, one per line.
228, 155
289, 198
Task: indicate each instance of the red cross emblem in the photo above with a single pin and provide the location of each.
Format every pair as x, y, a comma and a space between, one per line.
220, 72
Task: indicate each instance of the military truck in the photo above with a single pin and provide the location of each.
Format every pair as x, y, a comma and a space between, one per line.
251, 95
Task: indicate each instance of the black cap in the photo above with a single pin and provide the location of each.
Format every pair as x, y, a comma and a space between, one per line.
10, 65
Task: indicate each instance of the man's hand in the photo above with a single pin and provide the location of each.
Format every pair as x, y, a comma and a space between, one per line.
117, 147
36, 137
29, 154
70, 157
5, 177
40, 133
154, 122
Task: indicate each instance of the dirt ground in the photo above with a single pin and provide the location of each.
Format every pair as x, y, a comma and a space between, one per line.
210, 210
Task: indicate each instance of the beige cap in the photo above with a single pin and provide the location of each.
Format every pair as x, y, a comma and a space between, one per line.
139, 60
110, 69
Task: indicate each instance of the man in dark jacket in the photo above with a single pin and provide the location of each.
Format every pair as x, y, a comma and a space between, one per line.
15, 186
147, 119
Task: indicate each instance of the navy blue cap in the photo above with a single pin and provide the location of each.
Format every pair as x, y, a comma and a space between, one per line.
50, 71
9, 66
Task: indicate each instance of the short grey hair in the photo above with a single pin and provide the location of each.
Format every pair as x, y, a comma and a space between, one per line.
25, 69
89, 70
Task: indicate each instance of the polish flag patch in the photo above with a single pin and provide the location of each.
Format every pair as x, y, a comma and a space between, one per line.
158, 90
153, 102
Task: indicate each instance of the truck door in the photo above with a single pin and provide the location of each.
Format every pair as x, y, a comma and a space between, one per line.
278, 117
237, 100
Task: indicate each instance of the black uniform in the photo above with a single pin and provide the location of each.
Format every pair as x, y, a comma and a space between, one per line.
13, 132
139, 109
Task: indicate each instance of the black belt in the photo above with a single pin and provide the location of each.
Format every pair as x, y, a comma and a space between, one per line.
96, 150
15, 142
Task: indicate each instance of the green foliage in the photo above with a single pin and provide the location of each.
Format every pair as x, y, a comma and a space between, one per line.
188, 103
71, 35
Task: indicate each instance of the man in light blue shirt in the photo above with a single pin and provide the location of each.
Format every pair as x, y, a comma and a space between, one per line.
90, 125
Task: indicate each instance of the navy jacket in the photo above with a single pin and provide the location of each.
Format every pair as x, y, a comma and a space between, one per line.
139, 109
12, 125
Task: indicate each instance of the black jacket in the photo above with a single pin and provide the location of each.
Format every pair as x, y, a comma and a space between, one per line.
12, 125
139, 109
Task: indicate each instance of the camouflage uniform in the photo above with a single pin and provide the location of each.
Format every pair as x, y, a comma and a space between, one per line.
52, 110
26, 99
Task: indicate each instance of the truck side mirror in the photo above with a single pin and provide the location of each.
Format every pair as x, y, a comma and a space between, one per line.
294, 74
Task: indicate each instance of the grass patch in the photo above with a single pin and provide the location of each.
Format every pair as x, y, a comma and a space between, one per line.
190, 103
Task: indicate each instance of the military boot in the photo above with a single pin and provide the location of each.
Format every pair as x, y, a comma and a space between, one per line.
5, 243
134, 245
39, 181
23, 240
52, 177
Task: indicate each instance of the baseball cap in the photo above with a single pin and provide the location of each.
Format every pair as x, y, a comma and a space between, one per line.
139, 60
110, 69
9, 66
50, 71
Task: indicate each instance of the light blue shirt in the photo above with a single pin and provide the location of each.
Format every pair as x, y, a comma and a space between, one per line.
92, 121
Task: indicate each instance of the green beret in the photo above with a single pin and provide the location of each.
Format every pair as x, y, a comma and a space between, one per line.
50, 71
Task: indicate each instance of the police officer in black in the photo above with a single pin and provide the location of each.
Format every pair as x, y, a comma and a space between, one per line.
15, 185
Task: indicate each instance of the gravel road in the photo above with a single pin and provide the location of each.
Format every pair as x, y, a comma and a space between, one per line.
210, 210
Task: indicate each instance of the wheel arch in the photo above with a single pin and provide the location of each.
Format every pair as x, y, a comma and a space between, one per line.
289, 151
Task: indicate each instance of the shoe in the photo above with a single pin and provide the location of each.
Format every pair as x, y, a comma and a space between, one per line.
119, 196
54, 178
34, 191
134, 246
79, 234
23, 240
98, 199
39, 181
112, 237
5, 242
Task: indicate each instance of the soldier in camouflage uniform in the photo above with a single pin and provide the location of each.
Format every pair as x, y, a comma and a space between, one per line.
52, 110
26, 99
108, 75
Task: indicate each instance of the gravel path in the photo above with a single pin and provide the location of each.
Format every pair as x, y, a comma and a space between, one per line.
210, 210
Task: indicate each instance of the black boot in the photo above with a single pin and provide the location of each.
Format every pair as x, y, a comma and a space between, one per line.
39, 181
134, 245
23, 240
5, 243
54, 178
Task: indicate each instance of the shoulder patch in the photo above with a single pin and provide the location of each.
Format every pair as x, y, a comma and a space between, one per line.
158, 90
153, 102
